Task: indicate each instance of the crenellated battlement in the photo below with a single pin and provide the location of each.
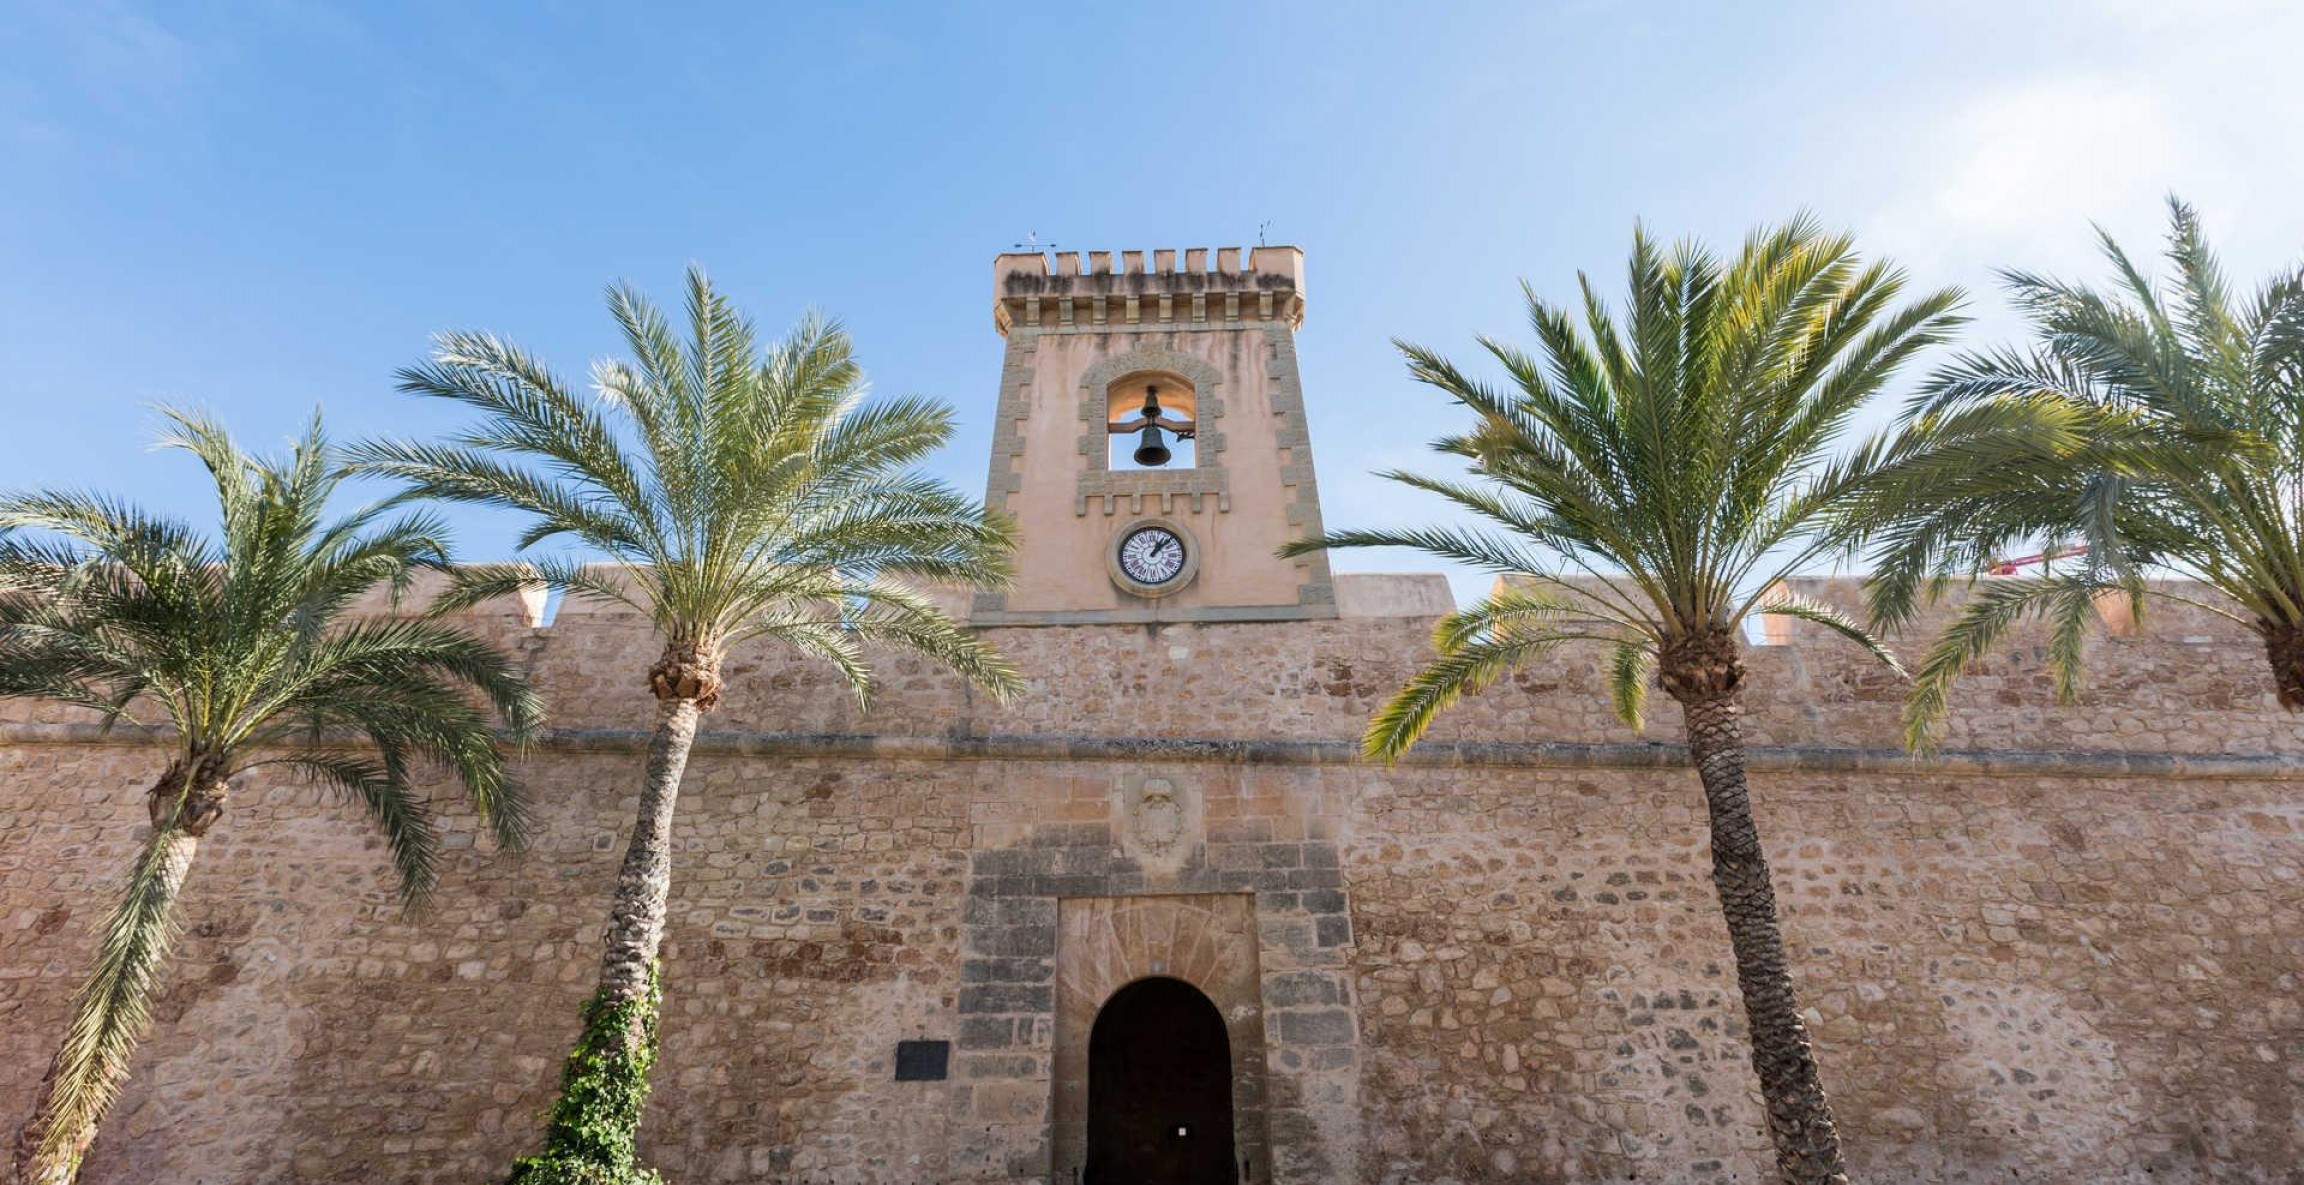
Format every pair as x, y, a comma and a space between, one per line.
1243, 285
2180, 682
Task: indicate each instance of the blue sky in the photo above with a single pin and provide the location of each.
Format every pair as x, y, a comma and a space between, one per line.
259, 207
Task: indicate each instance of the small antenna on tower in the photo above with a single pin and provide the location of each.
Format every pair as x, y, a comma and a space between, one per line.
1032, 243
1261, 227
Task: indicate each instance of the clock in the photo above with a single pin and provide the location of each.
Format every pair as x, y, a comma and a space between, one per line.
1153, 558
1152, 555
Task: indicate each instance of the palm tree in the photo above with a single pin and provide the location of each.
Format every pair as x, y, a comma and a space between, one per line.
754, 495
2193, 466
233, 653
1679, 465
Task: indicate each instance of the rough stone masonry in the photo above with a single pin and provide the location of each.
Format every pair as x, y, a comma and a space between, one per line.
2065, 951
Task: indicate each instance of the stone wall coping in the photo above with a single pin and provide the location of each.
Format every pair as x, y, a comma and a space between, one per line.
2011, 763
1376, 595
1393, 594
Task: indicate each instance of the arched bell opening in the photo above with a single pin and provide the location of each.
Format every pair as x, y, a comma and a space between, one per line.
1152, 420
1160, 1089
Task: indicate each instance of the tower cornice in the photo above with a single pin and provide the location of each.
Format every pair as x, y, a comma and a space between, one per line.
1032, 289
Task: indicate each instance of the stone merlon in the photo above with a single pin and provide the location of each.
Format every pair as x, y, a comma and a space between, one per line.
1028, 290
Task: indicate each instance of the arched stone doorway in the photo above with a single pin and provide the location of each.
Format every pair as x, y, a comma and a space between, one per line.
1159, 1089
1204, 945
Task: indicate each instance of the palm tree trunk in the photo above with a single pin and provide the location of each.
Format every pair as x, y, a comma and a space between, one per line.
644, 886
595, 1123
2284, 649
1799, 1117
110, 1012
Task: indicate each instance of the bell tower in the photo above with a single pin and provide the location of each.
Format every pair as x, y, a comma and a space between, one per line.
1150, 440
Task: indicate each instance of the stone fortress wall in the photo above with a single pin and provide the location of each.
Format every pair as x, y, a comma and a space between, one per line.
2067, 951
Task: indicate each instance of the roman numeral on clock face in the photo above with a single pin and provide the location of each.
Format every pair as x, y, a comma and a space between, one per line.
1152, 555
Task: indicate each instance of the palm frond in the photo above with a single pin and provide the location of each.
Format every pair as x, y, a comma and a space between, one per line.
1809, 609
114, 1005
380, 786
1631, 667
894, 615
1993, 608
751, 489
1404, 718
2189, 458
1657, 461
245, 639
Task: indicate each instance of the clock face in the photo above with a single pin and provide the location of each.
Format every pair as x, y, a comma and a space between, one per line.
1152, 555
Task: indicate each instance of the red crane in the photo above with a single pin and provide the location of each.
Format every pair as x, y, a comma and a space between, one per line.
2011, 567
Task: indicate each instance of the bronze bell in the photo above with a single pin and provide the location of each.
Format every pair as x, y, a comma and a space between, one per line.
1152, 446
1151, 450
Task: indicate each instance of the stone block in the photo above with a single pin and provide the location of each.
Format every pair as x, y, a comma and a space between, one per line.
1298, 988
996, 970
1313, 1026
987, 1032
1007, 998
1012, 941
